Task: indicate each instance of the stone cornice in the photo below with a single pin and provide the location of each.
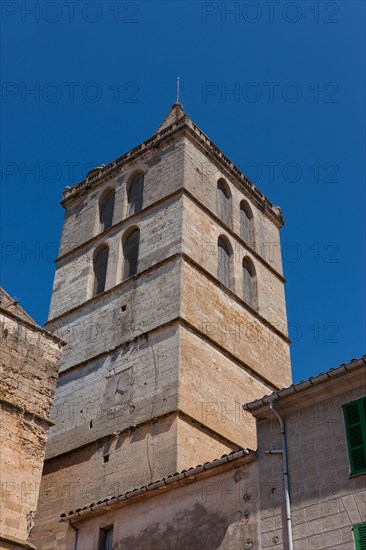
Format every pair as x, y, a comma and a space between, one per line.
233, 172
236, 298
176, 194
23, 410
31, 326
185, 124
14, 542
179, 322
105, 172
99, 297
175, 411
169, 259
121, 223
234, 235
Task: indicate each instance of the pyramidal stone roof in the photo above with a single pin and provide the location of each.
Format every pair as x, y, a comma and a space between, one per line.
175, 113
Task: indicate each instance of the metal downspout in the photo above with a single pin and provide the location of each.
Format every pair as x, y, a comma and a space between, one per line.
285, 476
76, 535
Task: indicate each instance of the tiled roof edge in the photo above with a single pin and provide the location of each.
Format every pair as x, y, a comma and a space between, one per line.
305, 384
179, 476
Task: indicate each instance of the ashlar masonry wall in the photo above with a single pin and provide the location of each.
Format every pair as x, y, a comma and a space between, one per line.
151, 361
28, 373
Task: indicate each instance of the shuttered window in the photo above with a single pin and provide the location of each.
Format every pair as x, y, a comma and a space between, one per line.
359, 532
246, 223
100, 264
106, 207
223, 262
135, 194
355, 423
131, 254
223, 202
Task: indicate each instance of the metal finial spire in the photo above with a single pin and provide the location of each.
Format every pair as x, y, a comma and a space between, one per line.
178, 91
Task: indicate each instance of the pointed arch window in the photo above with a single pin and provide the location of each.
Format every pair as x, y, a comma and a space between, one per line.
100, 264
135, 194
224, 253
106, 208
249, 283
223, 202
131, 247
246, 223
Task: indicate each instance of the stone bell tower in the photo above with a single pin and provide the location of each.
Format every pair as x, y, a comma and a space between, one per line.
170, 296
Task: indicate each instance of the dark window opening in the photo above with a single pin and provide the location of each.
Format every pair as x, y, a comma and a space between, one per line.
249, 283
106, 207
100, 264
246, 223
135, 194
223, 202
131, 254
105, 539
223, 262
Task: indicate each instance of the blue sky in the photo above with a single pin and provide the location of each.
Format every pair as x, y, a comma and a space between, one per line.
278, 86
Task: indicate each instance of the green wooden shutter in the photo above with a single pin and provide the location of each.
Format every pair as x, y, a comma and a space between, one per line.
355, 422
359, 532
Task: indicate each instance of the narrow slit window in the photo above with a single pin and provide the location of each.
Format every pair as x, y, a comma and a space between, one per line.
135, 194
223, 202
106, 208
249, 283
246, 223
131, 254
223, 262
100, 264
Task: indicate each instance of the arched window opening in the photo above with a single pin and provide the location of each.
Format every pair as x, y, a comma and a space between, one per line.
100, 264
249, 283
223, 201
246, 223
223, 262
131, 254
106, 207
135, 194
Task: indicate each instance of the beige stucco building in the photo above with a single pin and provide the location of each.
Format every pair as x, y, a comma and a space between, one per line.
325, 424
28, 373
